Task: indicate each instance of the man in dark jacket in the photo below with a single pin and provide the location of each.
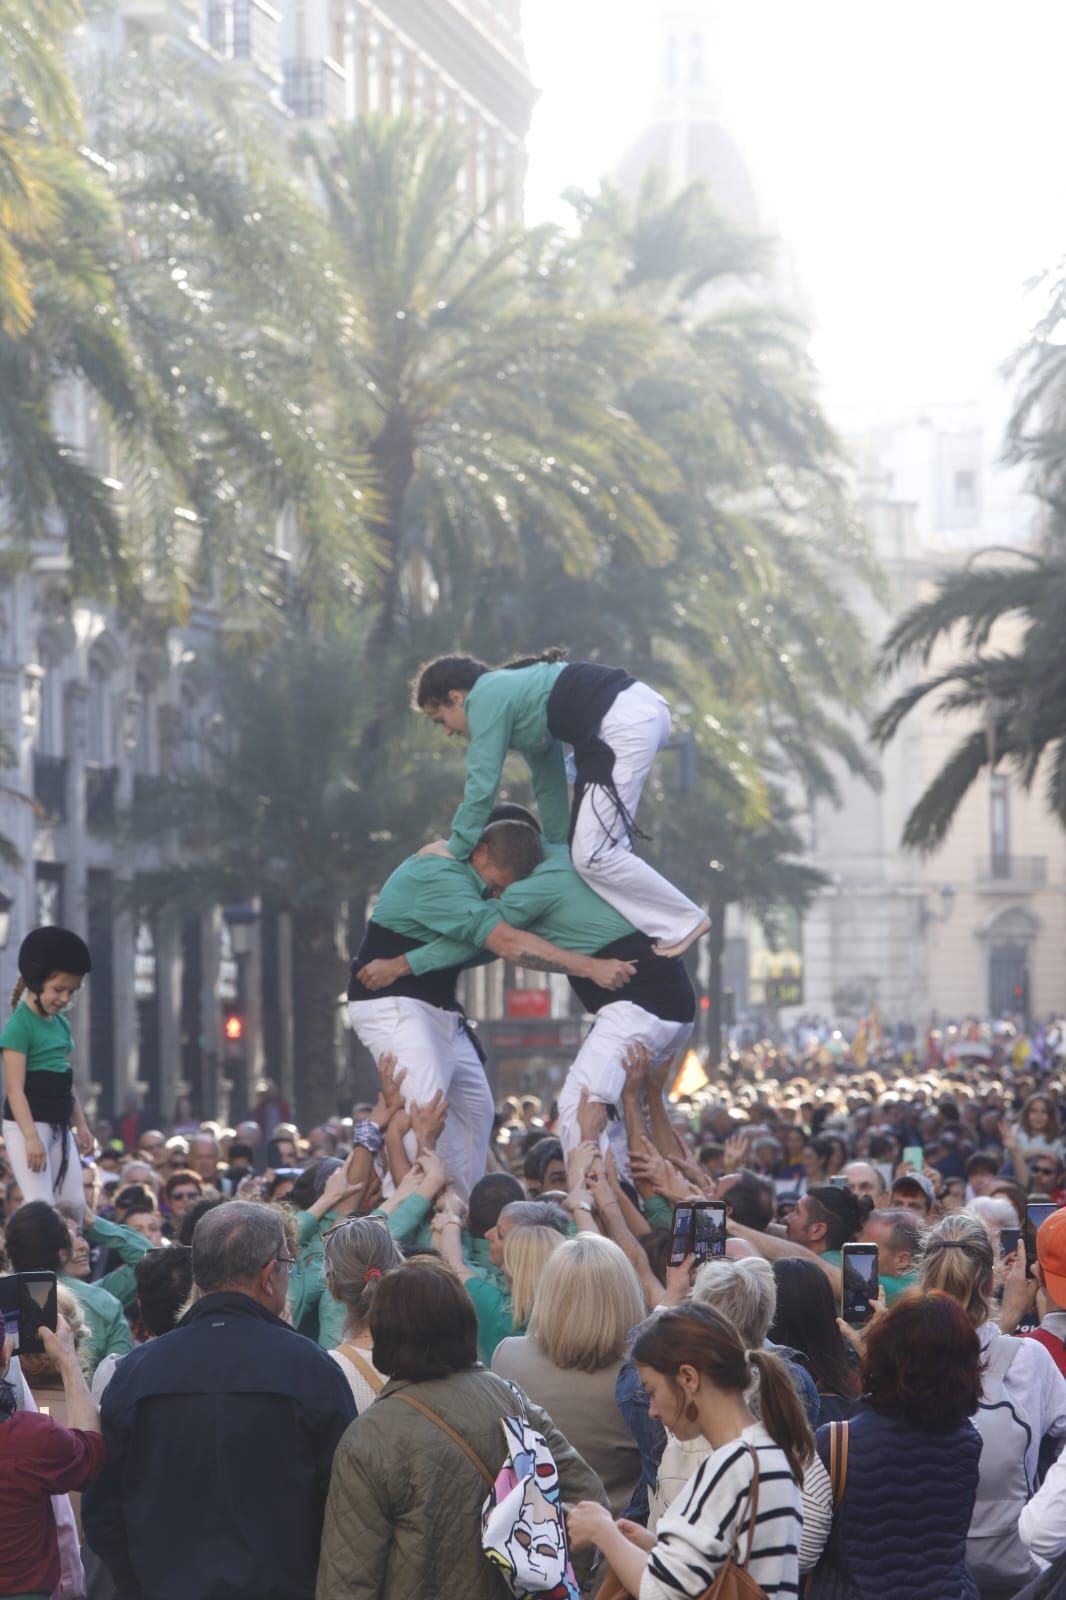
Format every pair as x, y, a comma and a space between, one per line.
220, 1435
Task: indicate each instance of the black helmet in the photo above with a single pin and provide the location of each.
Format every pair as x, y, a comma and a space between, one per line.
48, 950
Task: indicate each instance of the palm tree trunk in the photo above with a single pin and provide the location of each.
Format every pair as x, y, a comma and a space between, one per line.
318, 977
716, 948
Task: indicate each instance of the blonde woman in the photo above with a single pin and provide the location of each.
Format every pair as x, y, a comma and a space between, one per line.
586, 1304
1023, 1398
356, 1255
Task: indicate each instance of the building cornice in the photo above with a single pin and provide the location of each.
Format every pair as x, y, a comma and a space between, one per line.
469, 55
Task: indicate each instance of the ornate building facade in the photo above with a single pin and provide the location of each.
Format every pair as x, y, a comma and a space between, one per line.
93, 712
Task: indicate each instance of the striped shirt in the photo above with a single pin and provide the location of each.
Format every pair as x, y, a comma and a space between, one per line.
711, 1516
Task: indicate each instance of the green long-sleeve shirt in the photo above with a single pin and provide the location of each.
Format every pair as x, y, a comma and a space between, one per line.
554, 902
508, 710
428, 897
109, 1332
127, 1243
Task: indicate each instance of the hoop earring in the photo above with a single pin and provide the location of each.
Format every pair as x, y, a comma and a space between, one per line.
692, 1412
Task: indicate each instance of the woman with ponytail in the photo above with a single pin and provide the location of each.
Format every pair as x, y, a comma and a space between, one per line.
43, 1122
699, 1379
616, 727
1023, 1399
358, 1252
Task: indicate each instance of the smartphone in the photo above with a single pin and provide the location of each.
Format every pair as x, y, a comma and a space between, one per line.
28, 1302
708, 1230
681, 1244
914, 1156
839, 1181
859, 1282
1036, 1213
38, 1308
1008, 1241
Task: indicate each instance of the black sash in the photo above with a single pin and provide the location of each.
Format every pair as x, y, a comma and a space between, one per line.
432, 988
661, 984
50, 1096
581, 697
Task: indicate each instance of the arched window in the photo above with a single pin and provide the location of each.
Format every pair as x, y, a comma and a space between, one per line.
101, 744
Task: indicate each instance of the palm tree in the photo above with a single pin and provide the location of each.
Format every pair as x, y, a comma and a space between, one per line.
1014, 699
1001, 620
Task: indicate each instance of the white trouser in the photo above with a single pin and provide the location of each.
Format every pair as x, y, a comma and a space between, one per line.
598, 1068
433, 1048
636, 728
42, 1185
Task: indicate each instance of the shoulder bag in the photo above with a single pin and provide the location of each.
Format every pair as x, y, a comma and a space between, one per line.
363, 1367
734, 1581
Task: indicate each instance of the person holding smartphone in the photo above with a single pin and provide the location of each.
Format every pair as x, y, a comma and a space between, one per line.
38, 1459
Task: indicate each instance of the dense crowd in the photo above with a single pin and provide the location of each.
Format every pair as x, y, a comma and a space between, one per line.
242, 1311
629, 1342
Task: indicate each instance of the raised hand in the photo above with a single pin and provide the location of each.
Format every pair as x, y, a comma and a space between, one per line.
636, 1061
428, 1121
578, 1162
736, 1151
392, 1077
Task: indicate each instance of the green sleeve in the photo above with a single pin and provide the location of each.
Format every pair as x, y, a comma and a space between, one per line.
523, 903
442, 952
659, 1212
408, 1217
491, 721
122, 1283
307, 1226
126, 1242
15, 1034
495, 1320
548, 768
332, 1315
307, 1290
449, 901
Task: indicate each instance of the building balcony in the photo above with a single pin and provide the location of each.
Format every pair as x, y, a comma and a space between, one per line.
316, 90
1011, 874
100, 786
50, 786
246, 30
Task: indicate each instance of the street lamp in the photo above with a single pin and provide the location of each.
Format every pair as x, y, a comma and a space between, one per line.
6, 908
241, 921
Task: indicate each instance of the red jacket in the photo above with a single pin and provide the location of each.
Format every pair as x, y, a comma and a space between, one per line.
38, 1458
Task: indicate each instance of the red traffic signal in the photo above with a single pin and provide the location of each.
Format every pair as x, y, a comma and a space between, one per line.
233, 1028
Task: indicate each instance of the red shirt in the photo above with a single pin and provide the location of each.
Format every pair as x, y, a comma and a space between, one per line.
38, 1458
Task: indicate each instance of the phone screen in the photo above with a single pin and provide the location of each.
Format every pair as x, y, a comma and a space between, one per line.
914, 1155
859, 1275
37, 1309
1036, 1213
1008, 1241
682, 1241
709, 1230
9, 1305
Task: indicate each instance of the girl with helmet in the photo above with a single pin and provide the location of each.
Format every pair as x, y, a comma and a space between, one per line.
44, 1125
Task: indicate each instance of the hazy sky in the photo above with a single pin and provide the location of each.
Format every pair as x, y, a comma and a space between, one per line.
911, 153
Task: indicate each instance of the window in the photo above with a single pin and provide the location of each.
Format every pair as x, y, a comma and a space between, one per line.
695, 59
999, 824
965, 490
100, 741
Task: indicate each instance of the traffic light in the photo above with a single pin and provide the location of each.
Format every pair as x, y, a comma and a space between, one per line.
233, 1027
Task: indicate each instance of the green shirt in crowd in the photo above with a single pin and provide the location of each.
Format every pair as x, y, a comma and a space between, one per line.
109, 1332
508, 710
46, 1042
130, 1246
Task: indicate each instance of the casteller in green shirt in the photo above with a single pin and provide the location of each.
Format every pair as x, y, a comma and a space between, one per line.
508, 710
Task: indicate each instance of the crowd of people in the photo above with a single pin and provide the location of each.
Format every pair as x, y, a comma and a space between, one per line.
238, 1308
442, 1349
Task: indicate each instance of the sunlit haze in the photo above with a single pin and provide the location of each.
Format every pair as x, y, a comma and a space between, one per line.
910, 154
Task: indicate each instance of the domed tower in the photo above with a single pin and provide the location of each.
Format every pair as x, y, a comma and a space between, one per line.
686, 134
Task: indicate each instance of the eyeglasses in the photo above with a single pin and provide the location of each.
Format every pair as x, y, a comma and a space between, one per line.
1046, 1172
288, 1262
186, 1194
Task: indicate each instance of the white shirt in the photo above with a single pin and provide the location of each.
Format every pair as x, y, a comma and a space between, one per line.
1035, 1387
710, 1516
362, 1393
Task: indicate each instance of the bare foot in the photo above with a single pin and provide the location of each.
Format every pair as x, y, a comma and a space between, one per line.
703, 926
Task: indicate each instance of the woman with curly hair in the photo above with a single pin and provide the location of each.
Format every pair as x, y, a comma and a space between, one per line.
906, 1491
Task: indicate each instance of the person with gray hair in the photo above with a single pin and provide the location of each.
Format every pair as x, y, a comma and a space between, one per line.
220, 1435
